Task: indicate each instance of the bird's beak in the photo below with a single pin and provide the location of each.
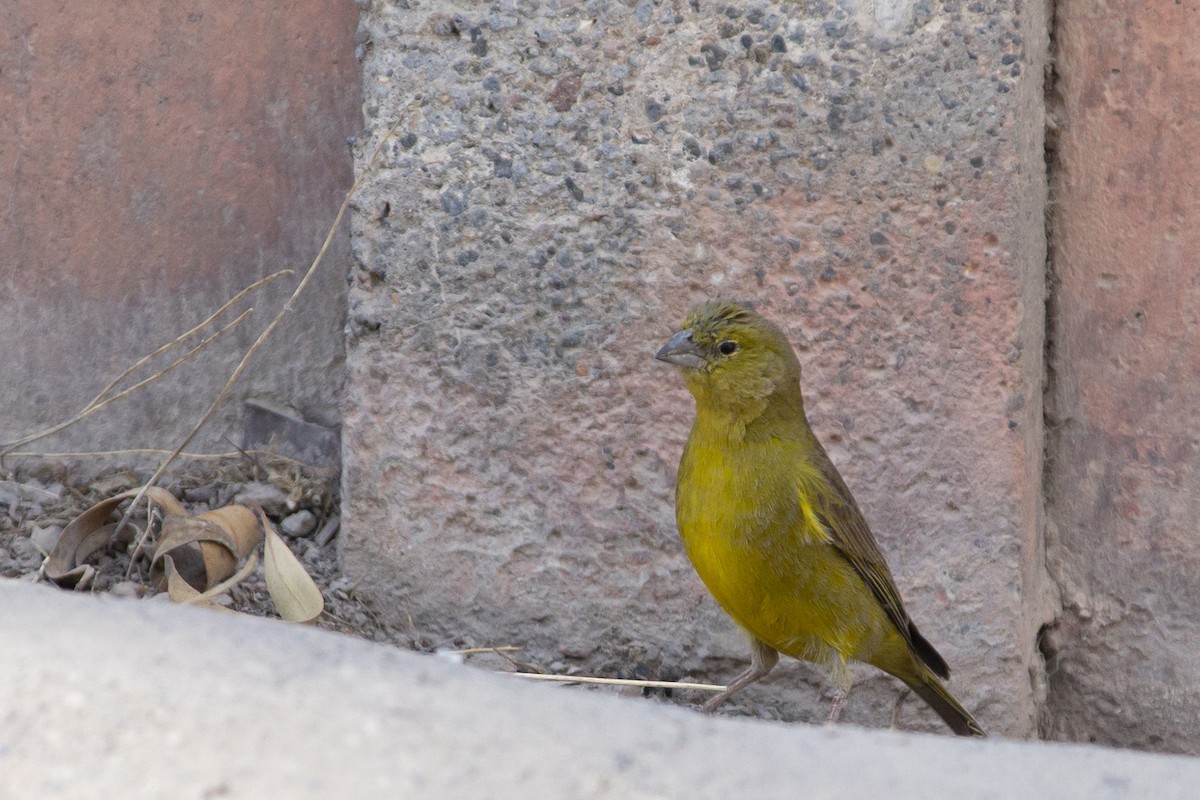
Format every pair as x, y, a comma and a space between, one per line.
682, 351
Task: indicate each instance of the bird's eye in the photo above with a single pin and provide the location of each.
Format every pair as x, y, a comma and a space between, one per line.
728, 347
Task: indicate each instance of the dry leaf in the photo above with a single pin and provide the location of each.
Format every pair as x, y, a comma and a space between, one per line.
293, 591
90, 532
182, 592
241, 575
82, 537
206, 548
161, 497
196, 558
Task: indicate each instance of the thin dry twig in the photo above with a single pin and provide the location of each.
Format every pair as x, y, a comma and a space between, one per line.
28, 488
266, 455
471, 651
523, 667
198, 327
104, 399
96, 406
262, 337
538, 676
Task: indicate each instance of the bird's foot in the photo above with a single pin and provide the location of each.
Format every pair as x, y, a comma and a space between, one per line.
756, 672
835, 711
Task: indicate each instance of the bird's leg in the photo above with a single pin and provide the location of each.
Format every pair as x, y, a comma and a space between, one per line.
899, 705
763, 658
843, 679
835, 710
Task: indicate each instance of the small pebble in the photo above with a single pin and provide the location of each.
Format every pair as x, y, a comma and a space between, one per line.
273, 500
128, 590
10, 494
24, 552
112, 484
328, 530
201, 494
45, 538
302, 523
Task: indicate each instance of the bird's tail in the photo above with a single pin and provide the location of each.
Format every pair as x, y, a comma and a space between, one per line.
931, 690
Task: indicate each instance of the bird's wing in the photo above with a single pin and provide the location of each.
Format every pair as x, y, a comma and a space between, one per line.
850, 535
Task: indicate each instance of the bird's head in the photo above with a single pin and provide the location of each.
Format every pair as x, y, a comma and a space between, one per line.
733, 359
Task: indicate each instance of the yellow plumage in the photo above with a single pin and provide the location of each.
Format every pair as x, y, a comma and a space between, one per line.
771, 527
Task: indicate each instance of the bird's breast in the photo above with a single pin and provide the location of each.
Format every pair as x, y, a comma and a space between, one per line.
750, 531
740, 514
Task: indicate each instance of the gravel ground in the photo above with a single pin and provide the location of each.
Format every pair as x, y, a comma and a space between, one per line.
36, 504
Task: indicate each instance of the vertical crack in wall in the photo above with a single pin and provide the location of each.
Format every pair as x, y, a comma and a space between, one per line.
1047, 635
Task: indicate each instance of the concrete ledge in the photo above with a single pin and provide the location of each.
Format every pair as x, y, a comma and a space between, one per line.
108, 698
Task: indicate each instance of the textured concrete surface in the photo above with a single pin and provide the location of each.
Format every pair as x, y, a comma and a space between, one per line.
156, 158
573, 176
1124, 488
108, 698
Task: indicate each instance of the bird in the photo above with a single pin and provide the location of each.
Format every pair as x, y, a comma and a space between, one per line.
770, 525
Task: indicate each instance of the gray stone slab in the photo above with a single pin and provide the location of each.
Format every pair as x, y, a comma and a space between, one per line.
567, 180
140, 699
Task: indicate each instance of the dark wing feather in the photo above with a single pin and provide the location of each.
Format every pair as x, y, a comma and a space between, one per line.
841, 517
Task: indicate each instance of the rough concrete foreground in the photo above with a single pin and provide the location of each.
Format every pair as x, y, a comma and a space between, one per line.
568, 180
107, 698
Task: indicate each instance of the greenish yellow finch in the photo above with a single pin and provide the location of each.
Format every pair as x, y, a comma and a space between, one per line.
770, 525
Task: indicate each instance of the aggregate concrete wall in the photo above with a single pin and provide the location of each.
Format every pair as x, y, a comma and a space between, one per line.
568, 179
155, 159
1124, 488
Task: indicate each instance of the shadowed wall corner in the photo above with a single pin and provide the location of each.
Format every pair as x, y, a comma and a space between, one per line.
155, 159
